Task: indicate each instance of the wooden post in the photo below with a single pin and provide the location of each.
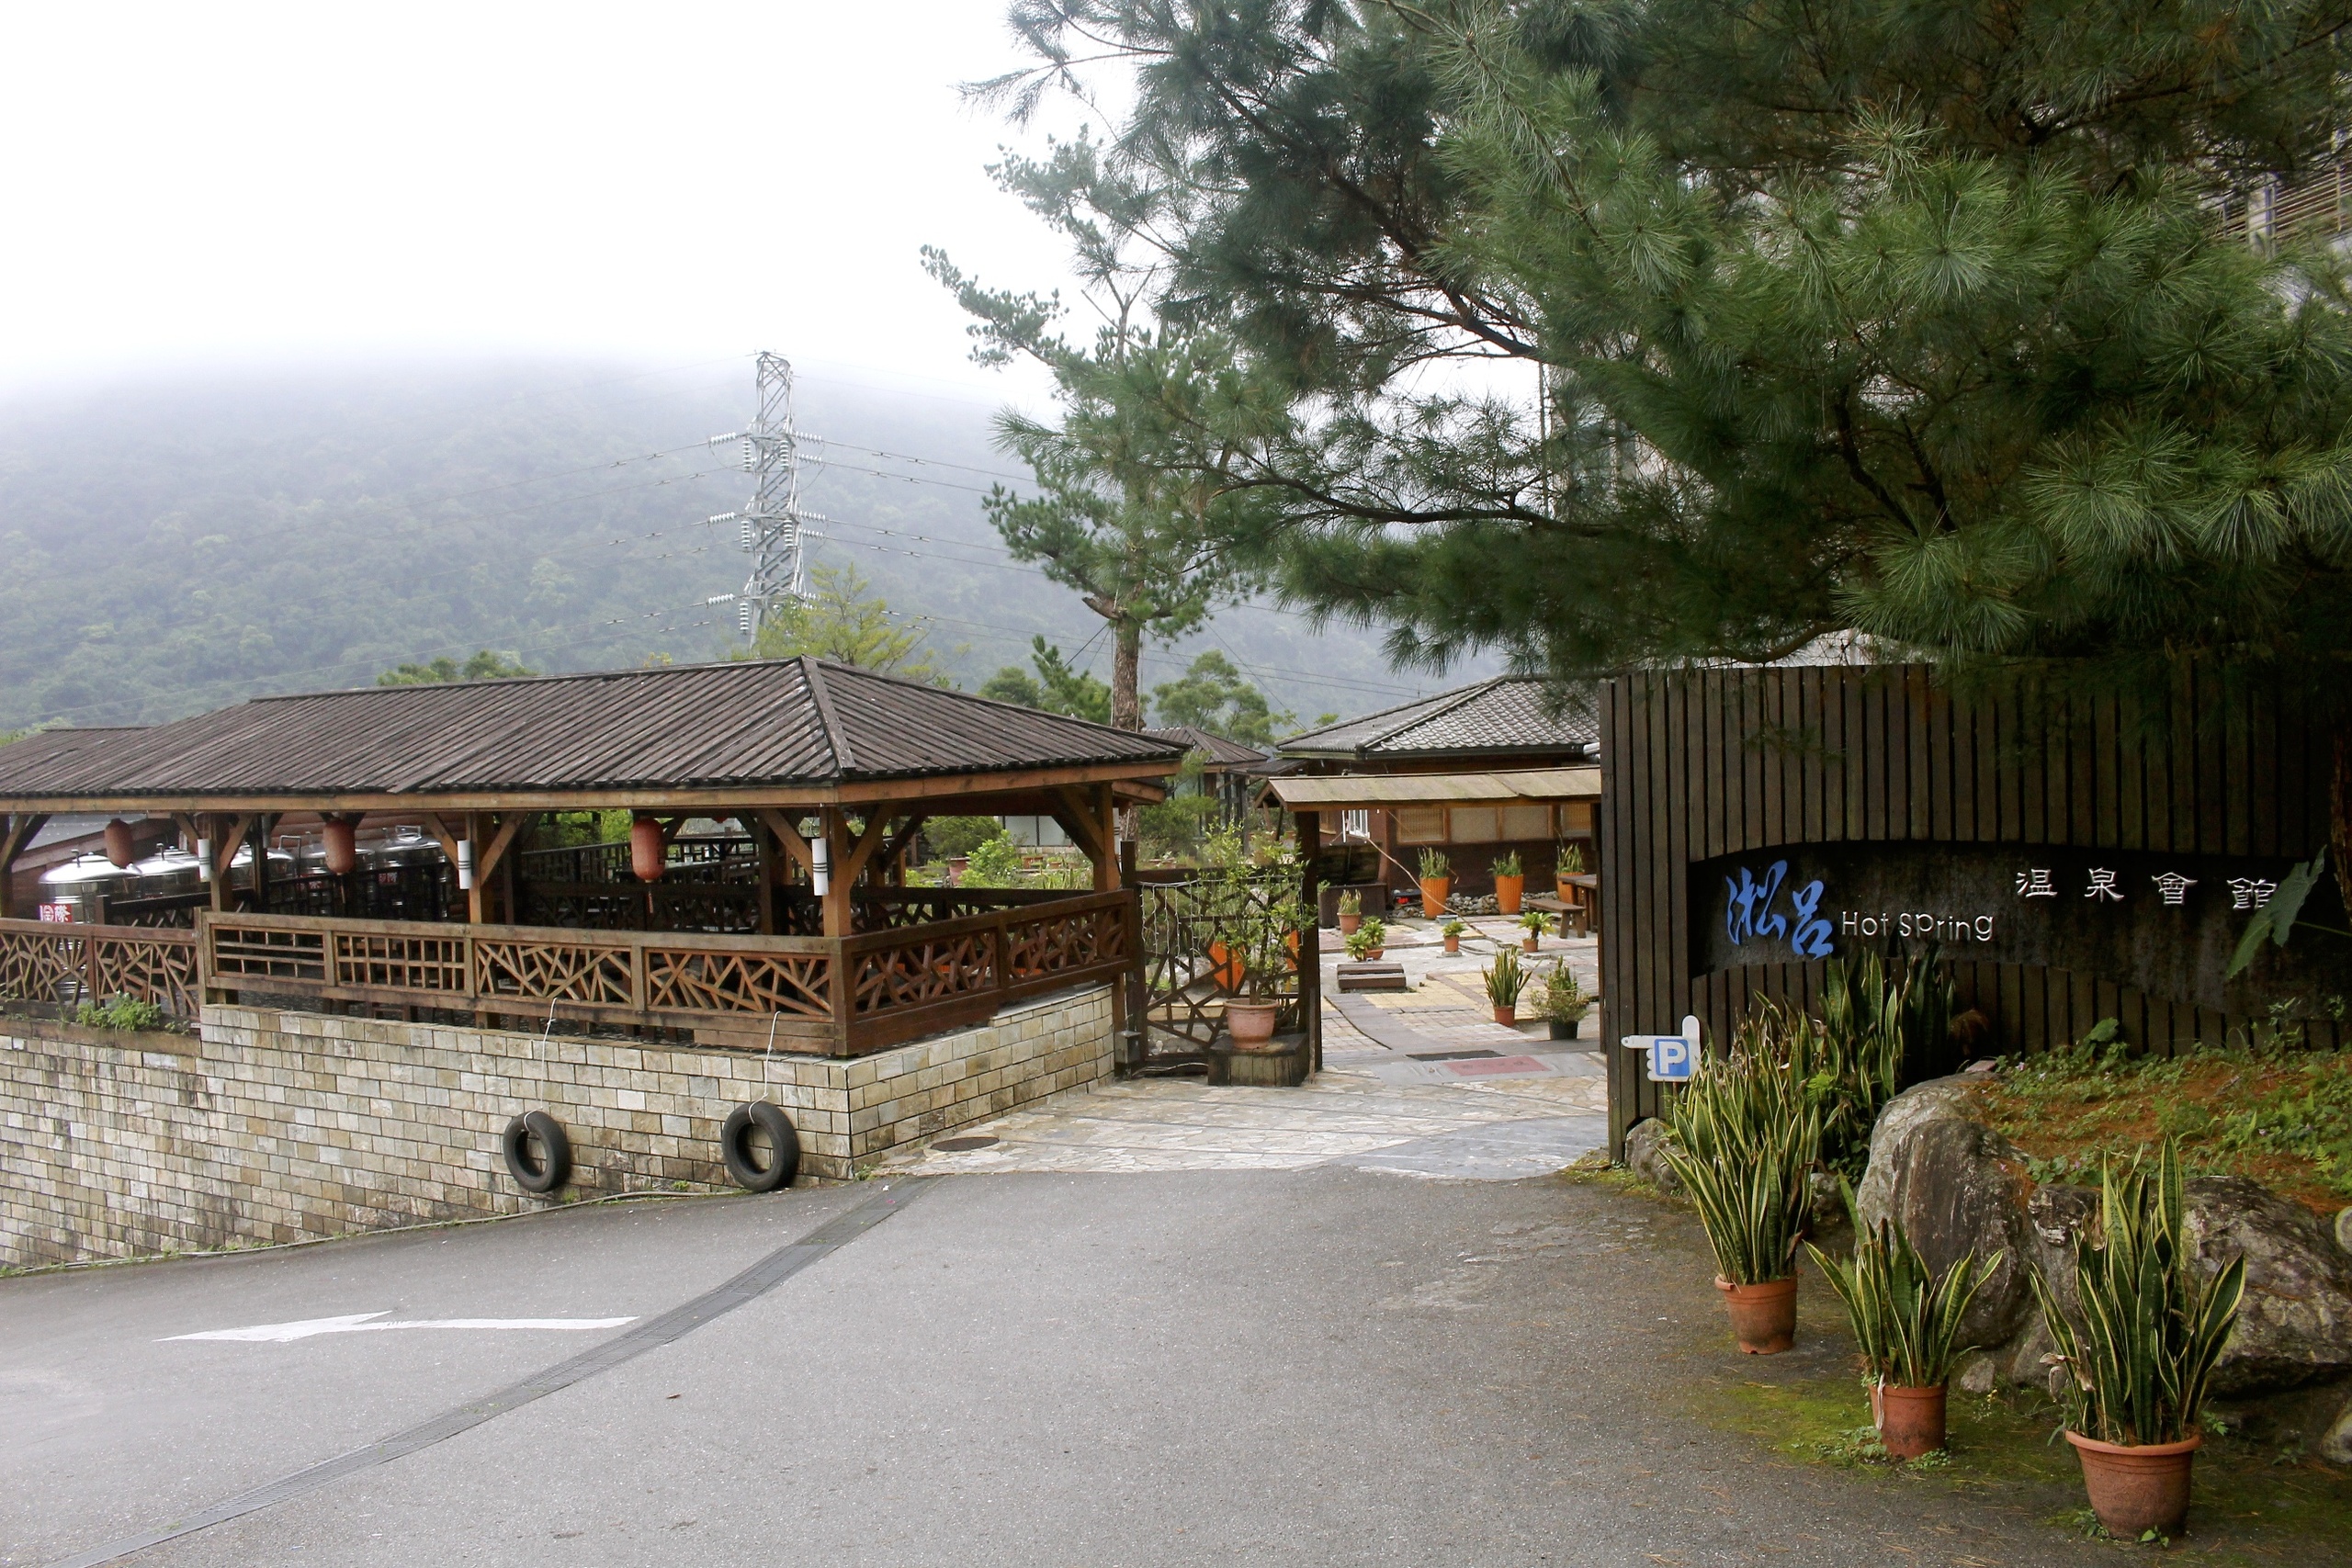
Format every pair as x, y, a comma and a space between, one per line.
1106, 820
1310, 940
763, 846
258, 836
838, 909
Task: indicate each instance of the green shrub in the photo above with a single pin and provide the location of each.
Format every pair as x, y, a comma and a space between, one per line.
1564, 999
1507, 979
126, 1013
948, 837
1367, 939
1507, 864
995, 862
1435, 867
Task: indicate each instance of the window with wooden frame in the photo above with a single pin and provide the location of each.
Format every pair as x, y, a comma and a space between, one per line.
1576, 820
1421, 823
1476, 825
1528, 822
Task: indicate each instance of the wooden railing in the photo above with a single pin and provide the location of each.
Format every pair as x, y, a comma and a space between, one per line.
64, 965
846, 997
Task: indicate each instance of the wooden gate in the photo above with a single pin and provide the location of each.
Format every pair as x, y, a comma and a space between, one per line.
1191, 926
2073, 857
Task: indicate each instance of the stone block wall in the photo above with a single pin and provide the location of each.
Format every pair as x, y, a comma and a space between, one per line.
277, 1126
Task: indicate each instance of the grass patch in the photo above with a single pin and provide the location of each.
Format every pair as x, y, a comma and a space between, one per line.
2253, 1505
2268, 1111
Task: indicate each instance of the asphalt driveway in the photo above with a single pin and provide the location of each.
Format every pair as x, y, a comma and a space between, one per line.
1324, 1366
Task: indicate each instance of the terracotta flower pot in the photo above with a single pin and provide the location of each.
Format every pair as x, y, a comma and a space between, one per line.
2137, 1489
1763, 1318
1453, 945
1910, 1420
1376, 953
1509, 891
1565, 890
1528, 943
1507, 1017
1348, 924
1252, 1024
1434, 892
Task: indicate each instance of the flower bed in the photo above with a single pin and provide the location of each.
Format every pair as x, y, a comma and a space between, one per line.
2278, 1116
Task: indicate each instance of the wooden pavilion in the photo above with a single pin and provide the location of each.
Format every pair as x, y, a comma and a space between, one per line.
796, 929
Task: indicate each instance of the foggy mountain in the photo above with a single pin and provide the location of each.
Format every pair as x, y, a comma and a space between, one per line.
179, 545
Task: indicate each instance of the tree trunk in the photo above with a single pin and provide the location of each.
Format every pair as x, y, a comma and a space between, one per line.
2339, 813
1126, 668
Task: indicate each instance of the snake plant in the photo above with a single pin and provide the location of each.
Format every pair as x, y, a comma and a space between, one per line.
1905, 1316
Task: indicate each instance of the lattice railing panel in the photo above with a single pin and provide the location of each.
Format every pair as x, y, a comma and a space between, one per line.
797, 985
40, 966
383, 961
918, 974
553, 971
1190, 933
271, 952
163, 973
1034, 948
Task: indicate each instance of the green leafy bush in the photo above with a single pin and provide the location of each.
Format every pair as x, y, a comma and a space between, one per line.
126, 1013
1367, 939
948, 837
995, 862
1564, 999
1506, 979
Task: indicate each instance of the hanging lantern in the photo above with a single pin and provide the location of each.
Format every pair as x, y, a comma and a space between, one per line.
120, 848
341, 846
648, 849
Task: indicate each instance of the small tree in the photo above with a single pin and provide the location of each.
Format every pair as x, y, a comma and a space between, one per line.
1056, 687
484, 665
843, 620
1214, 695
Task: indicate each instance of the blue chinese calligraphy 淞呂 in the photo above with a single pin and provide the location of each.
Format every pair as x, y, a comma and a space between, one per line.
1747, 911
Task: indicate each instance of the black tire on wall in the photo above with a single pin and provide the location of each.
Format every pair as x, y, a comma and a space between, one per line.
735, 1148
553, 1167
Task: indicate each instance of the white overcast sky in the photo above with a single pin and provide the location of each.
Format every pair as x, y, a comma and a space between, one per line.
198, 185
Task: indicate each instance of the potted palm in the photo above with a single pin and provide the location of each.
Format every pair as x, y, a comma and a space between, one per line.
1743, 1148
1537, 925
2138, 1358
1369, 939
1454, 931
1505, 981
1567, 862
1252, 961
1565, 1002
1511, 884
1437, 881
1906, 1319
1351, 912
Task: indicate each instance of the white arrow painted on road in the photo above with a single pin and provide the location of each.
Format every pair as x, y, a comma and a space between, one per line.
366, 1323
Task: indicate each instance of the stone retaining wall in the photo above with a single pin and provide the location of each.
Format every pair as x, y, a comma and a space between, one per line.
276, 1126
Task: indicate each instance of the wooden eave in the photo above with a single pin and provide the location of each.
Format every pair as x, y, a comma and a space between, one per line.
961, 793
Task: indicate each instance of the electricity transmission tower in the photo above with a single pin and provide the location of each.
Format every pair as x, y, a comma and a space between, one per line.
772, 525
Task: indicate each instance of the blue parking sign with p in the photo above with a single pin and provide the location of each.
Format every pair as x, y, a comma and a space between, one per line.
1673, 1058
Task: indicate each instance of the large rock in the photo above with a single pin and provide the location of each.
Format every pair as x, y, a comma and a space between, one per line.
1643, 1139
1956, 1187
2295, 1325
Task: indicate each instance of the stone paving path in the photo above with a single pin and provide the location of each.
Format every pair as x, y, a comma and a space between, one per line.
1420, 1082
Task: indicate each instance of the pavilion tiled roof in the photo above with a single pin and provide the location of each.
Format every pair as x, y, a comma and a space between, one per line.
1221, 752
791, 722
1511, 713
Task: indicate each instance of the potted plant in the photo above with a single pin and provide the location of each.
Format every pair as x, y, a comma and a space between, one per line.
1505, 981
1511, 884
1567, 861
1257, 952
1437, 881
1369, 939
1351, 912
1536, 924
1454, 931
1907, 1320
1747, 1148
2138, 1364
1565, 1002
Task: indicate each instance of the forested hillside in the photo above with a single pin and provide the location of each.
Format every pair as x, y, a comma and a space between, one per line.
179, 545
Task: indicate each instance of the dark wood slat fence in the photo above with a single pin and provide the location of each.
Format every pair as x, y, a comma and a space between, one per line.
1704, 763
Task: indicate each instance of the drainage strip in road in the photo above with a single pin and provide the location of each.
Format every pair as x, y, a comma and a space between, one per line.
653, 1333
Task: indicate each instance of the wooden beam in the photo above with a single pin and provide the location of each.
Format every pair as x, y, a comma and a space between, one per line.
787, 833
22, 826
441, 835
486, 861
839, 911
1079, 819
901, 840
878, 828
